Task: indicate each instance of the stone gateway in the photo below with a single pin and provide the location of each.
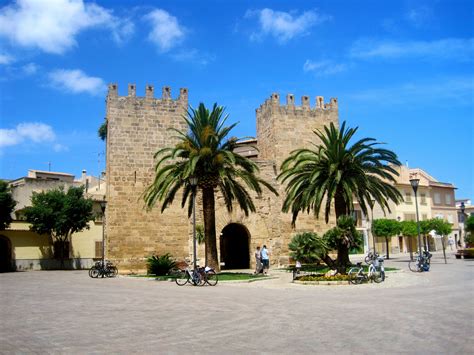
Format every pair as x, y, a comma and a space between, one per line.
137, 127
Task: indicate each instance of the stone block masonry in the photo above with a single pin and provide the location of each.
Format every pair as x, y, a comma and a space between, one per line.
137, 128
140, 126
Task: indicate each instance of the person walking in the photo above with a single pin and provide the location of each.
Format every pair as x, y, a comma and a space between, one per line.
451, 242
265, 259
258, 261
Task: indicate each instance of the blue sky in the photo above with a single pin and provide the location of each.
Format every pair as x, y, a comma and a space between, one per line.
401, 70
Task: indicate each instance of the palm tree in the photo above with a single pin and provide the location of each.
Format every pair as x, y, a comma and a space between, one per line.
335, 171
205, 153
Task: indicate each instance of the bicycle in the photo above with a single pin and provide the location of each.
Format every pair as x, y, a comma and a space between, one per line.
99, 269
376, 272
421, 263
196, 277
370, 257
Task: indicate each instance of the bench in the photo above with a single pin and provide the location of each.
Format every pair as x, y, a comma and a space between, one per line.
465, 253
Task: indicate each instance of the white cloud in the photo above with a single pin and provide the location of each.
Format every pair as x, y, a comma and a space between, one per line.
58, 148
35, 132
284, 25
30, 69
76, 81
5, 59
438, 92
51, 25
324, 67
193, 56
451, 48
420, 16
166, 31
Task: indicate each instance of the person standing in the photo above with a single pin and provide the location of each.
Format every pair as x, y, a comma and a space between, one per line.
265, 259
258, 261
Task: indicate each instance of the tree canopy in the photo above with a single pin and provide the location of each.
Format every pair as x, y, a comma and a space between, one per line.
7, 205
59, 213
335, 171
409, 228
440, 226
469, 224
386, 227
102, 131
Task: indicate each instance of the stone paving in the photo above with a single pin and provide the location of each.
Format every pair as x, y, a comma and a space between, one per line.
66, 312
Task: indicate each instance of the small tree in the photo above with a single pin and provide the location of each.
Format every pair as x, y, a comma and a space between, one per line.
59, 214
7, 205
307, 247
409, 229
442, 228
386, 228
102, 131
426, 227
469, 229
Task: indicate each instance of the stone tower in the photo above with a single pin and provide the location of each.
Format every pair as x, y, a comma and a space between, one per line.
139, 126
284, 128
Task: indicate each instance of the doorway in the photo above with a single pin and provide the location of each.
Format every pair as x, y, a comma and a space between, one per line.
234, 247
5, 254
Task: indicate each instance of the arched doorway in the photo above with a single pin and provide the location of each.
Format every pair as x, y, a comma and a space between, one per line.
5, 254
234, 247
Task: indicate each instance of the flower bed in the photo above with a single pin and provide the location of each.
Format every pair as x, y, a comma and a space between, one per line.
321, 279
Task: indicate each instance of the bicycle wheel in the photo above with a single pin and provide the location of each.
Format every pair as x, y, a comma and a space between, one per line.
378, 276
182, 277
414, 265
354, 276
94, 273
111, 271
211, 278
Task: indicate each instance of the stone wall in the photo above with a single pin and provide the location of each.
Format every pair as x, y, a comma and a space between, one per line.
138, 127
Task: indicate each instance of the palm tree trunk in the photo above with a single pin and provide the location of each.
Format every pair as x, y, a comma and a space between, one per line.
342, 261
209, 212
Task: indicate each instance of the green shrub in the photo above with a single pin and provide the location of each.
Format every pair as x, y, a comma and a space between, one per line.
160, 265
469, 240
307, 247
337, 277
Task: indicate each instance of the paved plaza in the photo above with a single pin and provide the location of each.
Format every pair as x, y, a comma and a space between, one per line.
66, 312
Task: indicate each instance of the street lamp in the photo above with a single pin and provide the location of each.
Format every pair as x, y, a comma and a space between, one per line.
103, 204
463, 207
414, 184
193, 180
372, 221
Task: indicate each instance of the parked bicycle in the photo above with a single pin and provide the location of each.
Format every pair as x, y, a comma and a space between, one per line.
421, 263
371, 256
196, 277
376, 272
101, 269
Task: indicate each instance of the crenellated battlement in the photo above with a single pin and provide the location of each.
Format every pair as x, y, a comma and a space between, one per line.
273, 104
284, 128
149, 93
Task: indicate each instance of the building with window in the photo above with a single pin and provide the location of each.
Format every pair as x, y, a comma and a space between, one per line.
24, 249
435, 200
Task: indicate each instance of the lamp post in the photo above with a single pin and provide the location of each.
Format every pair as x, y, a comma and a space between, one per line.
103, 204
372, 221
463, 207
193, 180
414, 184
